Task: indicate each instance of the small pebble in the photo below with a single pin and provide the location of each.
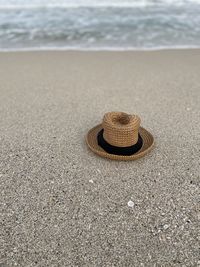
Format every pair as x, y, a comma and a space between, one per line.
91, 181
166, 226
131, 204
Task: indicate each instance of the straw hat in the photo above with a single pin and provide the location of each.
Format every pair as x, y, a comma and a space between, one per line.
120, 137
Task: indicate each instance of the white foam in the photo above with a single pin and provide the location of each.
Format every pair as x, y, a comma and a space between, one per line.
96, 49
38, 4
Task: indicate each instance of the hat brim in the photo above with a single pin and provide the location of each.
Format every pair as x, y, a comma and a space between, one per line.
91, 140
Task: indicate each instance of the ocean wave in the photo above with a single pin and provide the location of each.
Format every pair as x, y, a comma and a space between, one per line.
100, 28
92, 3
105, 48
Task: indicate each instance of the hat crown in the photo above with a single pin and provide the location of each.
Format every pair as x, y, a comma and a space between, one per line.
121, 129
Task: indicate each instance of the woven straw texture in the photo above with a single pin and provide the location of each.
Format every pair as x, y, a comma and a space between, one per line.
120, 129
91, 140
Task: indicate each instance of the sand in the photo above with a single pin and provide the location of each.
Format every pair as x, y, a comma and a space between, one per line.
64, 206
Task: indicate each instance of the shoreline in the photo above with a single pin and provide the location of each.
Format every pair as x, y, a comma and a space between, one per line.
107, 49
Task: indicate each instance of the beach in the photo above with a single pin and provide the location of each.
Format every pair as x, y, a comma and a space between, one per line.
62, 205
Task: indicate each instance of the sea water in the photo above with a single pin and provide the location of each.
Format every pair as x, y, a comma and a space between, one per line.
99, 24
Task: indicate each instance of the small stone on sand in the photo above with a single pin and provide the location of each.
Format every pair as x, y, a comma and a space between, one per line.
131, 204
166, 226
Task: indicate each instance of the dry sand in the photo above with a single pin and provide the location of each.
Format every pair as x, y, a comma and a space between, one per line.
64, 206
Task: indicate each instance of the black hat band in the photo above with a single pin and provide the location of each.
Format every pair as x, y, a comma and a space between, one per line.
123, 151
